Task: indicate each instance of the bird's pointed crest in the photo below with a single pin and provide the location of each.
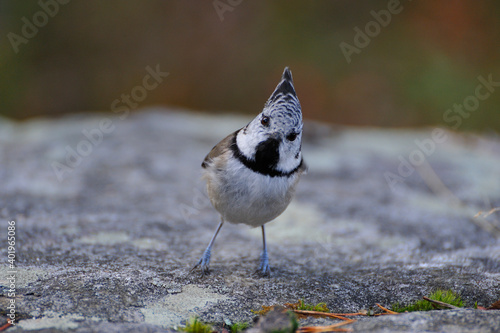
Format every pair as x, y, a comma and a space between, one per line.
285, 87
284, 101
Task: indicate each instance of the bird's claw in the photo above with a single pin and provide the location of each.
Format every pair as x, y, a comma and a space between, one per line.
264, 268
204, 263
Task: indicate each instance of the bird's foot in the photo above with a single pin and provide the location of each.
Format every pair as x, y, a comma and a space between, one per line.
204, 263
264, 268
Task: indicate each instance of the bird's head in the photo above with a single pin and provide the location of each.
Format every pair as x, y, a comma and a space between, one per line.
274, 137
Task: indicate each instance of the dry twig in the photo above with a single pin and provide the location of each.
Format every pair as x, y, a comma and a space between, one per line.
6, 326
433, 181
493, 210
318, 313
443, 304
386, 310
329, 328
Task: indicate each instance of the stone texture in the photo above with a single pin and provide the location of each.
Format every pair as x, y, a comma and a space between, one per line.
433, 321
108, 246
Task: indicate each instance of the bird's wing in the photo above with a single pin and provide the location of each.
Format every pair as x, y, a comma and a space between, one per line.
219, 149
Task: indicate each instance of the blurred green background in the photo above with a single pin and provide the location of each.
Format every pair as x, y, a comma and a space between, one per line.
227, 56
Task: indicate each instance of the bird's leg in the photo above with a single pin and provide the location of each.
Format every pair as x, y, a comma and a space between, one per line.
264, 257
205, 258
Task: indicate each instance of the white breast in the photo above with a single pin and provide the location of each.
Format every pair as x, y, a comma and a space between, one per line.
241, 195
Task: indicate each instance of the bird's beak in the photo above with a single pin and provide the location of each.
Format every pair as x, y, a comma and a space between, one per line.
275, 136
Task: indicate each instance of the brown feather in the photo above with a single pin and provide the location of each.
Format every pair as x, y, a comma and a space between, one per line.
218, 149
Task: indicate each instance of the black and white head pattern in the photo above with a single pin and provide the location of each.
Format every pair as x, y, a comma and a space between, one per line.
271, 143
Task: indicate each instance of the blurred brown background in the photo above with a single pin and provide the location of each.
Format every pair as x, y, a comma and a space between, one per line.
227, 55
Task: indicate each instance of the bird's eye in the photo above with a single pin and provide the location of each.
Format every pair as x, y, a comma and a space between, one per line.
292, 136
265, 121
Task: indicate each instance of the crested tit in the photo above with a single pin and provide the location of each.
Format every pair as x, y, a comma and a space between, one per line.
251, 175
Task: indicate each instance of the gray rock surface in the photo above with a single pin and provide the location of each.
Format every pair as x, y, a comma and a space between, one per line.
433, 321
107, 245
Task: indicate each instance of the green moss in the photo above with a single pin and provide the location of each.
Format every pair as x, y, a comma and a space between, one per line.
320, 307
295, 322
194, 325
446, 296
238, 327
